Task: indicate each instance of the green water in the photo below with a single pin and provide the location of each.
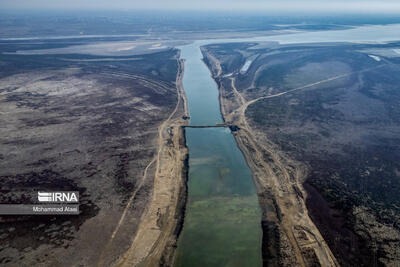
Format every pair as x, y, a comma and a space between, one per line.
222, 224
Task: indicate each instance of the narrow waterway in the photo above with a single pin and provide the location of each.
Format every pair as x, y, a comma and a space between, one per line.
222, 224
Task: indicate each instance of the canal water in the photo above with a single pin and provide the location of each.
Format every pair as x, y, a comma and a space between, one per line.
222, 224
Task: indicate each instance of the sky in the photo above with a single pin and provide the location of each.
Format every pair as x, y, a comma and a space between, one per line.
353, 6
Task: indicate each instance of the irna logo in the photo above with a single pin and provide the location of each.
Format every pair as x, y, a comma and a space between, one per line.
68, 197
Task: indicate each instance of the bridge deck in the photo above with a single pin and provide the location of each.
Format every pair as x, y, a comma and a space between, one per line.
219, 125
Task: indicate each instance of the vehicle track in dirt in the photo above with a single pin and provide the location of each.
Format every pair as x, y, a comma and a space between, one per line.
158, 222
273, 177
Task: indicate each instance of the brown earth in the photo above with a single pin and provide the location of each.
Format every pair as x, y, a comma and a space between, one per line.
289, 235
155, 241
325, 117
110, 133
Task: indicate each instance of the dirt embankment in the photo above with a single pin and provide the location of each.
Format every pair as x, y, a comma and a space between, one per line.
289, 235
155, 241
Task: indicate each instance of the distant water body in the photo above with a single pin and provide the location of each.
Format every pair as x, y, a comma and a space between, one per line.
368, 33
361, 34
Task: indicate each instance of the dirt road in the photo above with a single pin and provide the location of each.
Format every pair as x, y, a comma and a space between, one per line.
290, 232
157, 232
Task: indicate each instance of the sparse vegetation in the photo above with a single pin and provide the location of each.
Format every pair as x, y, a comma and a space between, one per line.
344, 131
84, 123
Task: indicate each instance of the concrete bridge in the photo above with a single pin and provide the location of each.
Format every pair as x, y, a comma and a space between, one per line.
218, 125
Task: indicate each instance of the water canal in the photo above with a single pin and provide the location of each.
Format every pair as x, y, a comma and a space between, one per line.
222, 224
